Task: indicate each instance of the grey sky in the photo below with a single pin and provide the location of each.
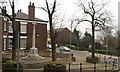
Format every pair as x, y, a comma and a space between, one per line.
67, 7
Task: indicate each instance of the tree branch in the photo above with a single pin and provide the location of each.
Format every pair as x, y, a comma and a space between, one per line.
86, 21
85, 11
54, 6
47, 8
44, 9
103, 5
10, 4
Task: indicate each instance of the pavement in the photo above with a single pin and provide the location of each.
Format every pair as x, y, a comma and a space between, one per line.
75, 66
89, 67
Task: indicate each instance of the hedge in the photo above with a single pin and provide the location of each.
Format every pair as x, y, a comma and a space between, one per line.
55, 66
109, 52
11, 66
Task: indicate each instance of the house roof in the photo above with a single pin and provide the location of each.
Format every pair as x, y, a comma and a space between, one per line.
23, 16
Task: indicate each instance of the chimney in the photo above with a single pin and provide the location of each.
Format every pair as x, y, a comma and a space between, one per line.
4, 10
31, 11
20, 10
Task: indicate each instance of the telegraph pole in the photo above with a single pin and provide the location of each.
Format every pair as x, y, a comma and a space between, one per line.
71, 34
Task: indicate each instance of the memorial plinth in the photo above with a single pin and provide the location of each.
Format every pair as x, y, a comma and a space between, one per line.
33, 53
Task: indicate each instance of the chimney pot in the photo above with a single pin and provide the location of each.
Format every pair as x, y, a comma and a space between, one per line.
20, 10
32, 4
5, 7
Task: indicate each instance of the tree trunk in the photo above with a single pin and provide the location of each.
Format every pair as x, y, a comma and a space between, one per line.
52, 35
93, 46
14, 34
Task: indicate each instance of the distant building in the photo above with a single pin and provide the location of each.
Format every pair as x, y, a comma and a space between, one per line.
63, 36
110, 42
24, 24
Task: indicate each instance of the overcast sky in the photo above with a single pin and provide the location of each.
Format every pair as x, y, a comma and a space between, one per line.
67, 7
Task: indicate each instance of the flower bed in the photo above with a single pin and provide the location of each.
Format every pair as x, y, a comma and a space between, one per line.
55, 66
11, 66
92, 60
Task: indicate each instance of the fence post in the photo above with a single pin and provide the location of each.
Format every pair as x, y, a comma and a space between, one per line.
94, 66
80, 67
69, 67
113, 65
104, 58
105, 66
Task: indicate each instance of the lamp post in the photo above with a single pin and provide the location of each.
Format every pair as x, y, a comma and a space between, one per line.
71, 34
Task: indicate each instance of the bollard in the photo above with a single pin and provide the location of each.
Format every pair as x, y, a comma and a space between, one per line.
80, 67
104, 58
94, 67
113, 65
105, 66
69, 67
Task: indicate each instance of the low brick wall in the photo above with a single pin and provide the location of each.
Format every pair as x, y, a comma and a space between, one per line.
41, 53
60, 56
45, 53
6, 55
64, 57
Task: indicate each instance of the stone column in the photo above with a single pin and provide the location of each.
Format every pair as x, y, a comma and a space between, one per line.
33, 40
33, 55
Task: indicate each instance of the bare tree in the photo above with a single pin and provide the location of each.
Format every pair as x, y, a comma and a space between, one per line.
12, 18
50, 12
95, 14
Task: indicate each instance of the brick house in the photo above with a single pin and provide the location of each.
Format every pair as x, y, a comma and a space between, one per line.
111, 42
63, 36
24, 24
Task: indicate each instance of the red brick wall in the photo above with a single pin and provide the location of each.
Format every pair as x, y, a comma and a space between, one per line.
1, 34
5, 33
41, 31
41, 36
29, 35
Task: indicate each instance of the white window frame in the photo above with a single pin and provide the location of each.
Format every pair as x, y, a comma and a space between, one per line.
8, 27
5, 40
5, 24
23, 23
23, 37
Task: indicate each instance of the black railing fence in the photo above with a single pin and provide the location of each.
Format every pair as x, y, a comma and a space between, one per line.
113, 66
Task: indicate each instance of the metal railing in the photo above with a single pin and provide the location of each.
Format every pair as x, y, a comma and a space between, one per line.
94, 68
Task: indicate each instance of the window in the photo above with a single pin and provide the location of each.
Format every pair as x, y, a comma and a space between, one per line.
23, 43
9, 45
5, 24
23, 27
10, 27
4, 44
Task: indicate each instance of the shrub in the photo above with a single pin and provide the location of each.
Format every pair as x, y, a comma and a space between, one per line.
4, 59
55, 66
11, 66
110, 52
83, 49
92, 60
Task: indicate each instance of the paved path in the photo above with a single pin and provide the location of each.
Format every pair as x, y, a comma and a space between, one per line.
87, 67
80, 58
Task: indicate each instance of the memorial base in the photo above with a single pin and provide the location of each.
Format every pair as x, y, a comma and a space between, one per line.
33, 55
